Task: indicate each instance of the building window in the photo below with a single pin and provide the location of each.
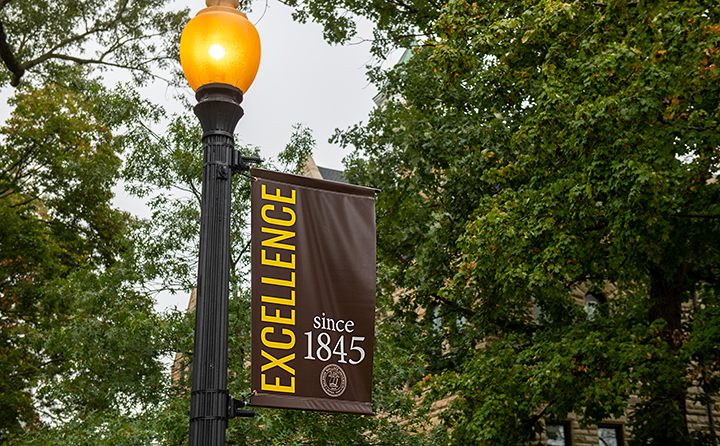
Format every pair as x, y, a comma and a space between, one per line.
593, 302
590, 303
610, 435
558, 433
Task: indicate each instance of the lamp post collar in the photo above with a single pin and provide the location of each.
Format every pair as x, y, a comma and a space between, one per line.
219, 92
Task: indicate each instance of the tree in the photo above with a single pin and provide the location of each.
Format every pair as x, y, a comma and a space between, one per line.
397, 24
79, 340
81, 343
536, 148
87, 284
168, 169
45, 39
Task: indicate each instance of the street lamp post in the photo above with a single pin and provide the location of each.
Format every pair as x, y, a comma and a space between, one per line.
220, 55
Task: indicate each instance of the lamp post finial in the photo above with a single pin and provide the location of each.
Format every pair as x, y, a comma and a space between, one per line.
230, 3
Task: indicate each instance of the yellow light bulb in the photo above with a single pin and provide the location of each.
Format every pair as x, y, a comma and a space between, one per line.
220, 45
216, 51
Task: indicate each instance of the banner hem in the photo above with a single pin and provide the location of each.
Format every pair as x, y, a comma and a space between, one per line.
310, 403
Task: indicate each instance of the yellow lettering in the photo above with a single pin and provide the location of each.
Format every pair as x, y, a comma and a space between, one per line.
277, 318
277, 387
277, 221
281, 282
277, 197
280, 300
274, 242
283, 240
277, 262
277, 362
280, 345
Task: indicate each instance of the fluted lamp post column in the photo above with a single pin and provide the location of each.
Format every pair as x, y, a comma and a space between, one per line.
220, 55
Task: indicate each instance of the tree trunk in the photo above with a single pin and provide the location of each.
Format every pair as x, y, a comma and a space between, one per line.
668, 396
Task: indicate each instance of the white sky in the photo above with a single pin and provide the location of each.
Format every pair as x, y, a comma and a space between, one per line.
301, 79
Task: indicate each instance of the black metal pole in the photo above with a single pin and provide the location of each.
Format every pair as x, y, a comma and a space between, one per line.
219, 111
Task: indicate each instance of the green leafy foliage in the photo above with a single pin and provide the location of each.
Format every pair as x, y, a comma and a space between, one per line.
396, 23
169, 166
301, 146
81, 344
534, 149
167, 171
78, 340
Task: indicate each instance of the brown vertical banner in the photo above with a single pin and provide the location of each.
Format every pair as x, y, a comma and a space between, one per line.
313, 293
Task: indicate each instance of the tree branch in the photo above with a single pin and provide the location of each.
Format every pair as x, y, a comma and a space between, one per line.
604, 5
467, 312
690, 215
194, 190
239, 256
82, 61
8, 56
17, 165
18, 69
408, 8
41, 365
29, 200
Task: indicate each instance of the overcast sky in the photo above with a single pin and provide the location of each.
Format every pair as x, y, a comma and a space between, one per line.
301, 79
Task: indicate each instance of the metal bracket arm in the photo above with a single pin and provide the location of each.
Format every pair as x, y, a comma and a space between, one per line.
234, 406
240, 163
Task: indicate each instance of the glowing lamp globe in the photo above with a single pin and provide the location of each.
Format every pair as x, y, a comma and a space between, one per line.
220, 45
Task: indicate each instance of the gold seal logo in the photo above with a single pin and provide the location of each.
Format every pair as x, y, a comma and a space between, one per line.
333, 380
